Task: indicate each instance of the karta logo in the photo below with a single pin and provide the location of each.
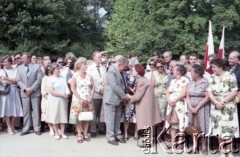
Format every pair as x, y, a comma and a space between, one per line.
151, 140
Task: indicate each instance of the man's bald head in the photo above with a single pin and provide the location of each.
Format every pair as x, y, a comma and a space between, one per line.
234, 58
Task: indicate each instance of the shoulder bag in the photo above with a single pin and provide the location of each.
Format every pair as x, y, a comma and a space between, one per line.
4, 88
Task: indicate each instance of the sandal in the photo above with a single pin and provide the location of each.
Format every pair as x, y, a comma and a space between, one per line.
169, 146
126, 138
205, 151
180, 147
80, 139
86, 138
191, 151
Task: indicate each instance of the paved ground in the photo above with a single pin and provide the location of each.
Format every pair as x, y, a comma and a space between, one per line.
46, 146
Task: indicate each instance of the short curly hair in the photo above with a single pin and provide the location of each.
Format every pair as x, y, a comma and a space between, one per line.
219, 62
79, 63
181, 68
198, 69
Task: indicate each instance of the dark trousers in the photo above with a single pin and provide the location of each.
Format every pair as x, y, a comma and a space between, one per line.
97, 105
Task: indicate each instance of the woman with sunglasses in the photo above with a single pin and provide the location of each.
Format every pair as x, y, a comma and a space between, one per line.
159, 79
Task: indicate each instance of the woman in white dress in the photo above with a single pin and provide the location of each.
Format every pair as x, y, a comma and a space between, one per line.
10, 107
82, 87
57, 107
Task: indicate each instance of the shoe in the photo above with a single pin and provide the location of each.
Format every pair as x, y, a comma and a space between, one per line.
10, 132
64, 137
86, 138
113, 142
24, 133
121, 140
51, 132
205, 151
80, 139
57, 137
93, 134
38, 133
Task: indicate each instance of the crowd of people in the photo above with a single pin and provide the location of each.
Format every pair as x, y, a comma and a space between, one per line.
167, 94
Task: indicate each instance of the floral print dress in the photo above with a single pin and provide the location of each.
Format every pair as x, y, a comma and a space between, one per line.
181, 108
225, 121
160, 93
84, 91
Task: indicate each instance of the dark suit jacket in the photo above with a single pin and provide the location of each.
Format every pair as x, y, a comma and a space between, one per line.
236, 71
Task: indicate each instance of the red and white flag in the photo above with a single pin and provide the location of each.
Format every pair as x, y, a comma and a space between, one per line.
209, 47
221, 47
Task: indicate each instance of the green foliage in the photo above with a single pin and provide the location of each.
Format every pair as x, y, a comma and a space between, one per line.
53, 27
145, 26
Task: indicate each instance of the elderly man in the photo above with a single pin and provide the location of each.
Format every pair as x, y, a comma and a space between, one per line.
167, 56
234, 67
97, 72
29, 78
114, 95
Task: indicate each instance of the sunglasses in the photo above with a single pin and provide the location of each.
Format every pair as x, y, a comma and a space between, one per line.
159, 67
60, 62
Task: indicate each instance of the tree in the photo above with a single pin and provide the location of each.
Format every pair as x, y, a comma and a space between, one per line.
53, 27
180, 26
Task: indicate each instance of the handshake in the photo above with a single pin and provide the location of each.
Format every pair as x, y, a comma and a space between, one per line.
127, 97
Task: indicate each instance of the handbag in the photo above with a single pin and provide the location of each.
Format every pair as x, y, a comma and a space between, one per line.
172, 118
191, 129
4, 88
85, 116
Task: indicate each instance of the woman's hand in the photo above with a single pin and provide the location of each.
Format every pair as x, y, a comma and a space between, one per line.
65, 96
172, 103
46, 96
219, 105
89, 100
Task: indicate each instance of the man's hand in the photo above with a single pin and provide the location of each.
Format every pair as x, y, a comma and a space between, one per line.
127, 97
28, 91
101, 91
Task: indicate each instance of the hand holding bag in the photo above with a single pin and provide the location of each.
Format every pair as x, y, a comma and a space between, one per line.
4, 88
85, 115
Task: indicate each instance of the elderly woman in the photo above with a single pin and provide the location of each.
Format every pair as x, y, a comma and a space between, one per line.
198, 104
177, 110
10, 107
147, 114
57, 112
82, 87
221, 91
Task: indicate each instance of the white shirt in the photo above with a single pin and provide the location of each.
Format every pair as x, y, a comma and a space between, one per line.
97, 78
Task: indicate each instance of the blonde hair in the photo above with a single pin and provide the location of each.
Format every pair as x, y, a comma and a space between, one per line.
79, 63
69, 55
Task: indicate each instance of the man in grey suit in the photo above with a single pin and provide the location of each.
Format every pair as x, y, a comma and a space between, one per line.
114, 94
29, 78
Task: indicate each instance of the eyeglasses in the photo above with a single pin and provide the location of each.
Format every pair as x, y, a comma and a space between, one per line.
159, 67
17, 57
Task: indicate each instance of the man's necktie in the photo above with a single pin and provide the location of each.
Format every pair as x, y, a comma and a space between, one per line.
98, 70
27, 72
